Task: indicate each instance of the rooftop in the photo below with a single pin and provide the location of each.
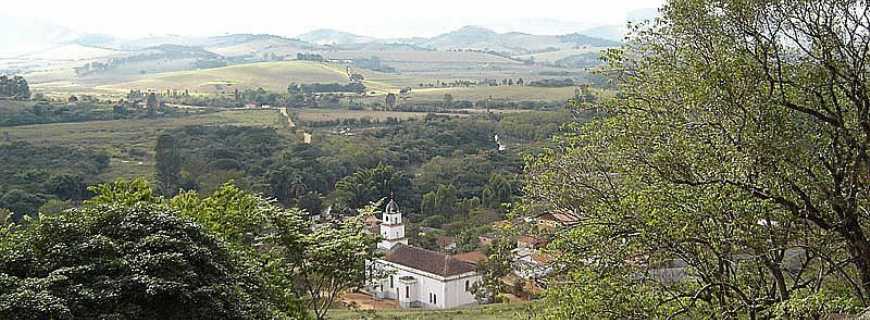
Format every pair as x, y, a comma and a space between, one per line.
392, 207
474, 257
428, 261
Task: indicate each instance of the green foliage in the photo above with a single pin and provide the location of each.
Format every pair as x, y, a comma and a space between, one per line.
122, 193
309, 88
497, 266
500, 189
443, 201
332, 260
5, 218
168, 163
350, 172
55, 206
29, 166
18, 113
363, 187
15, 87
727, 180
817, 305
67, 186
469, 173
534, 126
31, 175
21, 203
237, 216
601, 296
195, 157
139, 262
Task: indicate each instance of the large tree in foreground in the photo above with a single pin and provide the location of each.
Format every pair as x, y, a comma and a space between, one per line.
302, 271
732, 177
139, 262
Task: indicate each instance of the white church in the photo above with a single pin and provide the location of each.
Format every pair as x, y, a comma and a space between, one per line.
416, 277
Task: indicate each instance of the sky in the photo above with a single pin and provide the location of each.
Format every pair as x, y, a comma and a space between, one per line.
378, 18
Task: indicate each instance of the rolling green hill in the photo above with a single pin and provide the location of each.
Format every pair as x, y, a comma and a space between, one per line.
274, 76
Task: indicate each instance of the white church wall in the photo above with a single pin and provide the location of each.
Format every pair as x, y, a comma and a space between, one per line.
426, 284
448, 293
456, 293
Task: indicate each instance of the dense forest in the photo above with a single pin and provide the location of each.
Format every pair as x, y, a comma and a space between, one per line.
452, 162
45, 179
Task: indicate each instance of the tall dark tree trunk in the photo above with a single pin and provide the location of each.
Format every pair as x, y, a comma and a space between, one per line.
859, 250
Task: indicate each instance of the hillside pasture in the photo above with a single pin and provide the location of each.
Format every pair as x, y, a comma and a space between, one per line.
314, 115
512, 93
131, 142
420, 56
272, 76
553, 56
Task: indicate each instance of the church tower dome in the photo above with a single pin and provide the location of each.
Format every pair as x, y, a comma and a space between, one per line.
392, 227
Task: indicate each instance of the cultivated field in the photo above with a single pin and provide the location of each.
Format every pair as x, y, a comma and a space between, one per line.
497, 93
273, 76
306, 115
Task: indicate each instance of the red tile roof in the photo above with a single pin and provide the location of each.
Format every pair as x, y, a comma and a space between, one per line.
561, 217
428, 261
474, 257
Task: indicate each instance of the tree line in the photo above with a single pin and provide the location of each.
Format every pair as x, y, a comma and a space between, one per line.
14, 87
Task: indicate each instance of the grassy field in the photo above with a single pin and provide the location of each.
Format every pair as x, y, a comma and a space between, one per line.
329, 114
497, 93
553, 56
274, 76
131, 142
421, 56
416, 68
488, 312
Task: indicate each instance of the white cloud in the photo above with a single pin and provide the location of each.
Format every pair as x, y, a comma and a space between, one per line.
382, 18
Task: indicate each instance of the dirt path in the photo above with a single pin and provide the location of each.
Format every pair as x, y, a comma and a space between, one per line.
366, 302
290, 123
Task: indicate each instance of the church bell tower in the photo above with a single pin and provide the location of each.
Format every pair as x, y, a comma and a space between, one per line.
392, 227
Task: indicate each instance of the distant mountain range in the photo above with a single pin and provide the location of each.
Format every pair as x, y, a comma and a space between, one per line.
333, 37
32, 37
513, 43
22, 35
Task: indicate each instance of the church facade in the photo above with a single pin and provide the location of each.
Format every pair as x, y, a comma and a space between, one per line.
416, 277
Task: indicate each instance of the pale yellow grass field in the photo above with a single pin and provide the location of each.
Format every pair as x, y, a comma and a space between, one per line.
497, 93
553, 56
305, 115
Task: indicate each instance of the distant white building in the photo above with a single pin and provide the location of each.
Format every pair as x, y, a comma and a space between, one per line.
416, 277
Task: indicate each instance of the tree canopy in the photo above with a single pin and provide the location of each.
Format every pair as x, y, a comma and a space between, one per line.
227, 255
140, 262
730, 177
15, 87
